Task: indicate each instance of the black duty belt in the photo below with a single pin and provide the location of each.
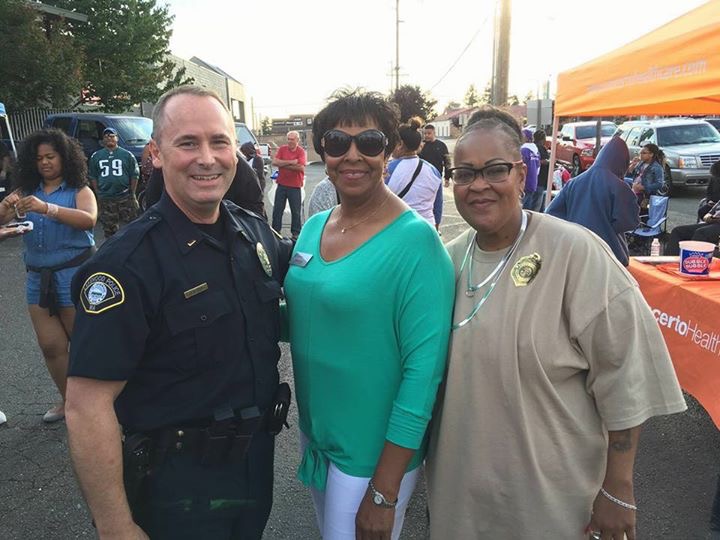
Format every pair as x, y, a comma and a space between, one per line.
227, 440
219, 440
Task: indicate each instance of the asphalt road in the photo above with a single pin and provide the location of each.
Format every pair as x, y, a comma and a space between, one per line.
676, 467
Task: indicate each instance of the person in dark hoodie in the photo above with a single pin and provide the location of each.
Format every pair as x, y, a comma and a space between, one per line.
600, 200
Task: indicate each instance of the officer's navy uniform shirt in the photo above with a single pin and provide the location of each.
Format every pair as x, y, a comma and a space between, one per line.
191, 324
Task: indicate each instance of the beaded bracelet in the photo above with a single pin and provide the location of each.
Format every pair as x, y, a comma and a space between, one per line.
52, 210
618, 501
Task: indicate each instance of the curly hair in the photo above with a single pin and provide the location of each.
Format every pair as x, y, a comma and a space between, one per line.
353, 108
74, 163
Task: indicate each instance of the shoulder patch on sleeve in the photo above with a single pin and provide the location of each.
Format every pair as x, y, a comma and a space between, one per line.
101, 292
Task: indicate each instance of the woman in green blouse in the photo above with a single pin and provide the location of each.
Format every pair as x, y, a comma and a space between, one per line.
370, 295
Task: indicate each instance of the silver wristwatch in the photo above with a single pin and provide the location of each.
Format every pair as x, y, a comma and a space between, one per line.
379, 499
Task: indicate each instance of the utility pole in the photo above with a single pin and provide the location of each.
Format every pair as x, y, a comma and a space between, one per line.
501, 52
397, 44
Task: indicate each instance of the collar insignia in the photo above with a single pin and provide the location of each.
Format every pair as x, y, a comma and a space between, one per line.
526, 269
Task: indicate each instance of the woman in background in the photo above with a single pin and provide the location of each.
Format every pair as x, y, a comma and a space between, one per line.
647, 173
414, 180
53, 194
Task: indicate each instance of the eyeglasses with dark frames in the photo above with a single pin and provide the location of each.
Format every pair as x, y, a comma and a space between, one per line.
493, 173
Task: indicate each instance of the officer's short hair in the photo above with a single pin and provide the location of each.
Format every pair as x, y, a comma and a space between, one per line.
158, 115
429, 126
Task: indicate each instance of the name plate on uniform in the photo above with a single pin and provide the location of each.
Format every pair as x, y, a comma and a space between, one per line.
195, 290
301, 259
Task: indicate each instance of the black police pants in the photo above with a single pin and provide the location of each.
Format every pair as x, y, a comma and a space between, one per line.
183, 499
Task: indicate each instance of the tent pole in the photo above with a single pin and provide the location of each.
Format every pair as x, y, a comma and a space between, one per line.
551, 166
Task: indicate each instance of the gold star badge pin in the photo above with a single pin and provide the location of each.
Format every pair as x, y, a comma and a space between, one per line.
526, 269
264, 260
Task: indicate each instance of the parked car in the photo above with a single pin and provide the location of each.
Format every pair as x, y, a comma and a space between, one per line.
576, 144
243, 135
134, 132
266, 150
691, 146
714, 122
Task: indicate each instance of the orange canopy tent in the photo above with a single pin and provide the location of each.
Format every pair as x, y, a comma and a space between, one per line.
673, 70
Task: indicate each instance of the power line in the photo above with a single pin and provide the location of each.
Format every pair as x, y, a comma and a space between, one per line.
461, 54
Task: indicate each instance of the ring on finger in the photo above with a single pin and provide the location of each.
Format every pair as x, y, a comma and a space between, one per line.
596, 535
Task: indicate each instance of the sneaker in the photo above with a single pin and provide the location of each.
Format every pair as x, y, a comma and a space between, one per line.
54, 414
3, 418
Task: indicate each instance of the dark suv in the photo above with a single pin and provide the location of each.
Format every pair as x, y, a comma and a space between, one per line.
133, 131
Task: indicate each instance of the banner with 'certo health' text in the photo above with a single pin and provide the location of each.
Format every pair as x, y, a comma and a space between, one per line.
687, 313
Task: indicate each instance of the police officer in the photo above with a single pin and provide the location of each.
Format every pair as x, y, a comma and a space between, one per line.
176, 339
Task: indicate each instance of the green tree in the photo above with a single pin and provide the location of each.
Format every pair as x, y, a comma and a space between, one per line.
452, 105
266, 126
513, 100
471, 97
126, 46
39, 65
413, 102
486, 97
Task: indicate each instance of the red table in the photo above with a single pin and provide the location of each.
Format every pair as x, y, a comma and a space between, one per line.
688, 313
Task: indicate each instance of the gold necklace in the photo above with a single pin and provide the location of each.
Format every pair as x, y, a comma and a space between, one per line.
363, 220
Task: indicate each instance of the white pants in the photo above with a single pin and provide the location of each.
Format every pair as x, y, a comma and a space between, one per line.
337, 506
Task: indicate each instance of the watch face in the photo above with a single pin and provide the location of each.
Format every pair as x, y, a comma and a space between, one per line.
377, 499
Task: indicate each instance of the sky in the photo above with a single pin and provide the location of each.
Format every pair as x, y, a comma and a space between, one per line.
291, 55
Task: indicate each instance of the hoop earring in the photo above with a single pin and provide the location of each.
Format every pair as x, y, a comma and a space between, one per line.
522, 195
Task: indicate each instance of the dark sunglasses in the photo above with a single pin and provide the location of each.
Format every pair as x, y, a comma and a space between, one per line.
370, 142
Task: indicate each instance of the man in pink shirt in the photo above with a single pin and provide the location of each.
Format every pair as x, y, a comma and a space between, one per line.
290, 159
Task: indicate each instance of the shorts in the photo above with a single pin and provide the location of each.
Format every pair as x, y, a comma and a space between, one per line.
62, 279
